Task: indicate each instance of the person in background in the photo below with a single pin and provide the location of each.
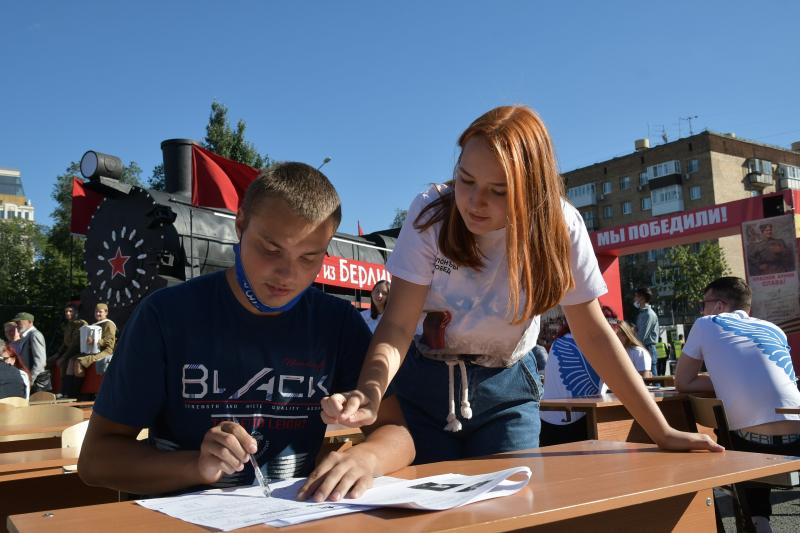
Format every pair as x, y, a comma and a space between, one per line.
33, 352
71, 343
378, 299
15, 379
76, 367
640, 357
662, 353
569, 375
540, 353
751, 371
677, 347
11, 332
647, 323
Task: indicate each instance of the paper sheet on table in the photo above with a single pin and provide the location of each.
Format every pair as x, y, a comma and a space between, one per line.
434, 493
229, 509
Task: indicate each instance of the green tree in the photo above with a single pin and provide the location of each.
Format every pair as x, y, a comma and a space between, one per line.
224, 141
20, 244
687, 270
399, 218
157, 179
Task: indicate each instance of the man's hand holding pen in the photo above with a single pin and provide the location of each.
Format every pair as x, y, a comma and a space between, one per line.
225, 449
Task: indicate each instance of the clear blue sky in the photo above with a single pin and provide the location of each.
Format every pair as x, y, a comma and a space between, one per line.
384, 88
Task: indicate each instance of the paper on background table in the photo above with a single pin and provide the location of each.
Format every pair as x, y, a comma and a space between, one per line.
229, 509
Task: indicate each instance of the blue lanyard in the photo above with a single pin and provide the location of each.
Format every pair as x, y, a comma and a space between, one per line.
250, 294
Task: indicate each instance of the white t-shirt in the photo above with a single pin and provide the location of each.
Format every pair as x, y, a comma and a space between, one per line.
749, 364
568, 374
641, 358
371, 322
478, 299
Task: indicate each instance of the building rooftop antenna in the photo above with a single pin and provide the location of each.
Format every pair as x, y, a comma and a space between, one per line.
689, 120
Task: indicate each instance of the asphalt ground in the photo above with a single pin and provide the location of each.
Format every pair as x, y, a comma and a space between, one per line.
785, 510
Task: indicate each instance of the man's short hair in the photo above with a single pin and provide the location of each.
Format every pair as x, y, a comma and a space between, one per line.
304, 189
732, 290
645, 293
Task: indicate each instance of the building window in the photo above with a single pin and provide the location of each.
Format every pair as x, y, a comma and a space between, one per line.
646, 203
760, 166
606, 187
693, 165
694, 192
667, 200
664, 169
608, 211
626, 208
624, 183
643, 178
651, 256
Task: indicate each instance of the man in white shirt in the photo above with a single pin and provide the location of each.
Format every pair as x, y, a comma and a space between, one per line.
750, 370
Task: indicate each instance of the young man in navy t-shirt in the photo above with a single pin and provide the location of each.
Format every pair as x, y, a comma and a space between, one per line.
235, 363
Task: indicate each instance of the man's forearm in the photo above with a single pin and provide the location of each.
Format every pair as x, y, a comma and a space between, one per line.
122, 463
699, 383
390, 446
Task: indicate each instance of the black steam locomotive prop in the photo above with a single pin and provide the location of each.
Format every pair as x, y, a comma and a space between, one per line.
139, 240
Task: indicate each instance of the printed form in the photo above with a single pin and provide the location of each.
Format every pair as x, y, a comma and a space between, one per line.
229, 509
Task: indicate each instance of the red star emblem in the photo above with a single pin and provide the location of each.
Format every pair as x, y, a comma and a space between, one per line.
118, 264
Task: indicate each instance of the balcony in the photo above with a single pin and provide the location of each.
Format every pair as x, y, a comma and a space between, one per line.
759, 180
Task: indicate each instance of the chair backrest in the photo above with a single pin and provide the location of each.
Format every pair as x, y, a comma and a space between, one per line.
15, 401
710, 412
72, 437
42, 396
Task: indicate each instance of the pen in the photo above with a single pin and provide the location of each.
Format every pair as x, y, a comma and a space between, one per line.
262, 482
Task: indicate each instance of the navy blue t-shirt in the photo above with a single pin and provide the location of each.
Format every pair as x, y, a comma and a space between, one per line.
191, 357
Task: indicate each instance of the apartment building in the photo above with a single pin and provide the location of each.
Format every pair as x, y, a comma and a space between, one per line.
692, 172
13, 203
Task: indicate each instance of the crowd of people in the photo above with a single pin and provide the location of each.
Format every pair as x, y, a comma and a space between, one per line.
444, 365
82, 345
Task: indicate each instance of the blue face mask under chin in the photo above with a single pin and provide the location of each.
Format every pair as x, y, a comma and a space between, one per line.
249, 293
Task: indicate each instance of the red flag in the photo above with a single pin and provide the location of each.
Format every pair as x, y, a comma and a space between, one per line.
360, 231
84, 204
217, 181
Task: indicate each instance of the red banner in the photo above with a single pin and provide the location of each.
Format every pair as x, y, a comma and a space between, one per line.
677, 228
352, 274
84, 204
217, 181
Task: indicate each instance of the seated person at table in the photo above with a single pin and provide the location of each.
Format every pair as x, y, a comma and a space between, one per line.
97, 345
640, 357
569, 375
71, 341
749, 369
234, 363
15, 379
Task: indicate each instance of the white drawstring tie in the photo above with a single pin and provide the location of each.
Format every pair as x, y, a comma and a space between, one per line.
453, 423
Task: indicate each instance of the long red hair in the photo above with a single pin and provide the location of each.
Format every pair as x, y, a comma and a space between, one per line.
537, 238
18, 362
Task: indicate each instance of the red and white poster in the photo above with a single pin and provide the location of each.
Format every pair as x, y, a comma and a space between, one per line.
770, 254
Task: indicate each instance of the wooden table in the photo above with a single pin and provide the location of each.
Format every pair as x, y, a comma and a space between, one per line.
668, 381
33, 429
788, 410
608, 419
35, 463
582, 486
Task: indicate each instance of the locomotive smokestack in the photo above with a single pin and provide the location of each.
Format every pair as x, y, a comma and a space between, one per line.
177, 155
